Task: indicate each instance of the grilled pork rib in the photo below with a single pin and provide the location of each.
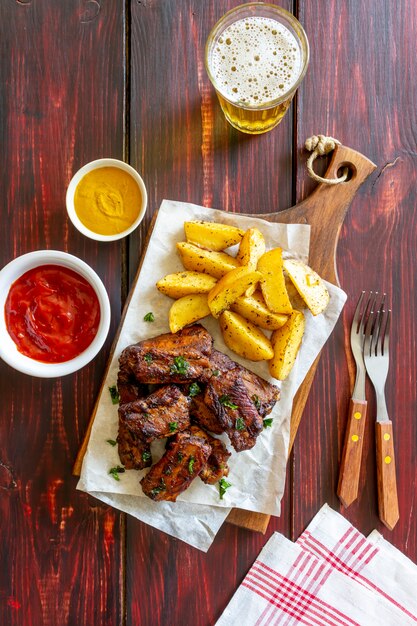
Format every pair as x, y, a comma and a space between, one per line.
133, 452
159, 415
263, 394
216, 466
203, 416
129, 389
175, 471
170, 358
228, 399
238, 399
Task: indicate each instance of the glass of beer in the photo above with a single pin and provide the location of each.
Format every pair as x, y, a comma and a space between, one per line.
256, 56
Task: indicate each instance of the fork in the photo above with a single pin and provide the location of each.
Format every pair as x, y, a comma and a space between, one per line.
350, 467
376, 357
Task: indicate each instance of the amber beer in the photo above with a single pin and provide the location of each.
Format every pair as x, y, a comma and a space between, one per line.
256, 56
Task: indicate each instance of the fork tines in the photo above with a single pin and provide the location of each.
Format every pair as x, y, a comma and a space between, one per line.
368, 307
377, 327
364, 306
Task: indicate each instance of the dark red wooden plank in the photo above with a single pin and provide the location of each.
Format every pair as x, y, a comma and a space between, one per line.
185, 150
61, 97
180, 140
360, 88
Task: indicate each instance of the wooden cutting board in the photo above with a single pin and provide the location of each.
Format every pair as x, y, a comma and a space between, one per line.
324, 210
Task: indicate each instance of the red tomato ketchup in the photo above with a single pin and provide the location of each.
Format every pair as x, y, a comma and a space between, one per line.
52, 314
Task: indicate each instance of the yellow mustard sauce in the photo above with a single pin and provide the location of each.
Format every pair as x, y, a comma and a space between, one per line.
107, 200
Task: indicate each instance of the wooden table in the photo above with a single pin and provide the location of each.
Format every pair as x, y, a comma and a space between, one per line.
84, 79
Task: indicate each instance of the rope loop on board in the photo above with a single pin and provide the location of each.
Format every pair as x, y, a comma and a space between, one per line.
320, 145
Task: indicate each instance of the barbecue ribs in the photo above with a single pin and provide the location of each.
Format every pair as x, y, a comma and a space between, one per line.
159, 415
174, 472
170, 358
238, 399
216, 466
228, 398
133, 453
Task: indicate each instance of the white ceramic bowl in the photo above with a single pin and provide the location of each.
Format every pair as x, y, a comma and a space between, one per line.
8, 349
93, 165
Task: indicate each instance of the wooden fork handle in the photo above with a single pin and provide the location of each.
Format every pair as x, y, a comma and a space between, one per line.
350, 467
387, 482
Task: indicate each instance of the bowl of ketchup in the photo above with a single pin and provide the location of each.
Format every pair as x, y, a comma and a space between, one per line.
54, 313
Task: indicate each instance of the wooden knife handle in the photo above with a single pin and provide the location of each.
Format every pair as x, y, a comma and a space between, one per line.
387, 482
350, 467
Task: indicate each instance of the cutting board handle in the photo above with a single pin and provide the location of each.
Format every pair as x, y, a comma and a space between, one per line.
326, 207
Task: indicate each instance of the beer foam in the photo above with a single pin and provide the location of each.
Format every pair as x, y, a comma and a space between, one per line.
255, 60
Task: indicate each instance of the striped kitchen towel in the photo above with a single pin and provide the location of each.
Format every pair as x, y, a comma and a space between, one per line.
333, 576
372, 561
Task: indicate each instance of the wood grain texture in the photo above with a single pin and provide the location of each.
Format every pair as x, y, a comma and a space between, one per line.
61, 98
351, 463
185, 150
386, 475
357, 95
180, 140
62, 95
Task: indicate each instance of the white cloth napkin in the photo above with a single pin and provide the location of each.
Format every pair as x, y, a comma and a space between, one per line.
372, 561
333, 575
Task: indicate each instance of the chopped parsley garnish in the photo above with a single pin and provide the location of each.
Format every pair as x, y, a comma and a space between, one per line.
180, 456
114, 394
148, 358
115, 471
168, 471
225, 401
146, 456
256, 402
194, 390
240, 424
179, 366
191, 465
173, 426
149, 317
112, 442
215, 373
223, 485
161, 487
268, 422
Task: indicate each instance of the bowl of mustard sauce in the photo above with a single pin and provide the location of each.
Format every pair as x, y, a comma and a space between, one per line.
106, 199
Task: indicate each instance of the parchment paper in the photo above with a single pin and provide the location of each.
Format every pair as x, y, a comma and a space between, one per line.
258, 475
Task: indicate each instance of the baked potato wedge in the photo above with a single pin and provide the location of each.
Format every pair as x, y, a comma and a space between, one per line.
229, 287
296, 300
244, 338
185, 283
273, 282
286, 342
197, 259
254, 309
251, 248
308, 284
187, 310
212, 235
